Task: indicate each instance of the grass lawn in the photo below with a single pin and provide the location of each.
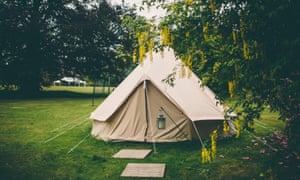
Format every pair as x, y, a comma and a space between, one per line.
39, 138
76, 89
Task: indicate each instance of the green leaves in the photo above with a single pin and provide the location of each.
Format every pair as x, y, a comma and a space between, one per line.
251, 43
44, 40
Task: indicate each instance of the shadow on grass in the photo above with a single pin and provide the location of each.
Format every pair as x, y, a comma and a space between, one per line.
47, 94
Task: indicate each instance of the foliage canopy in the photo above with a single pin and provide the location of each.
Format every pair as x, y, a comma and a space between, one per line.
45, 40
242, 48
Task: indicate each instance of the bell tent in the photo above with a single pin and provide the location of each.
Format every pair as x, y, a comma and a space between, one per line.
145, 108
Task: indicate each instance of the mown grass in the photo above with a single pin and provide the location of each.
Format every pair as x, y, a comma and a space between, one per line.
37, 134
76, 89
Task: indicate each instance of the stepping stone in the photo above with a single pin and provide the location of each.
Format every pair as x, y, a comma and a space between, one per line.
145, 170
132, 153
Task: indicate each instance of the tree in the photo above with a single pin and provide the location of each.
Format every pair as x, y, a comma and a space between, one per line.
88, 39
142, 35
27, 30
44, 40
245, 49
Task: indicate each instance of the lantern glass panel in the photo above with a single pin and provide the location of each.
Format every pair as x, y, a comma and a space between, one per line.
161, 122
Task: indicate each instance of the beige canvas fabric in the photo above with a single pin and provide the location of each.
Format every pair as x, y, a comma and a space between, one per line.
129, 113
130, 121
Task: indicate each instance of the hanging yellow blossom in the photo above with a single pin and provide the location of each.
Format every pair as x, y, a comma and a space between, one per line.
212, 5
165, 36
226, 127
144, 42
189, 65
134, 56
216, 67
186, 67
249, 124
204, 30
187, 34
173, 7
245, 49
214, 144
183, 73
245, 44
234, 36
189, 61
231, 88
150, 48
205, 155
142, 36
188, 2
238, 127
142, 52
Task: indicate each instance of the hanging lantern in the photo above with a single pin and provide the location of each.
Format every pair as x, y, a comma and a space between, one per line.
161, 121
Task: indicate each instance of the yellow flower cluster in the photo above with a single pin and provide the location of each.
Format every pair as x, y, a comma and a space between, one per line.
134, 56
183, 73
187, 34
204, 30
142, 39
250, 124
165, 36
245, 44
173, 7
142, 52
245, 49
187, 59
150, 48
205, 155
212, 5
238, 127
234, 36
216, 67
231, 88
226, 127
213, 138
144, 42
208, 155
188, 2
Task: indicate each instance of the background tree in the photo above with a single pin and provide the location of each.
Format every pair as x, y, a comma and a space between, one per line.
142, 34
244, 49
91, 39
45, 40
27, 30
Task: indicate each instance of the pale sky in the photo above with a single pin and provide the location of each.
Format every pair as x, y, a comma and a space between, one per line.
147, 13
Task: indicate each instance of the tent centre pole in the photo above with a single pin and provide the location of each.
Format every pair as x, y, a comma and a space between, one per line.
147, 116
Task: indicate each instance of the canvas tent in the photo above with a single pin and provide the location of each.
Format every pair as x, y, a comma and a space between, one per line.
131, 112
